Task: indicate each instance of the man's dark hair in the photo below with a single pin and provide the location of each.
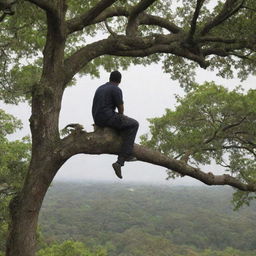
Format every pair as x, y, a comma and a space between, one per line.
115, 77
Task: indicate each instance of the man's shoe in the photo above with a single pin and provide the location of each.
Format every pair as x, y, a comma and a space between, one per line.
131, 159
117, 167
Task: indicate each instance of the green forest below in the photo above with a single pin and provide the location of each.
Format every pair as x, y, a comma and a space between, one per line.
136, 219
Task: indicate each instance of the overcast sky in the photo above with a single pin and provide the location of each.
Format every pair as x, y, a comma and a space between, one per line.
147, 93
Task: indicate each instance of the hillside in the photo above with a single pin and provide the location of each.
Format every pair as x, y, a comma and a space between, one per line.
130, 219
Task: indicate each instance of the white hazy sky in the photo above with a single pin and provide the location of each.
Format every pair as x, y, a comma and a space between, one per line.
147, 93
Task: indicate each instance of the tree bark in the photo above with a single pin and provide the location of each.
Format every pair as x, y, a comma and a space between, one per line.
25, 207
45, 162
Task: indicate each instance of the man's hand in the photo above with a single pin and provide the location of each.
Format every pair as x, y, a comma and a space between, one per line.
121, 109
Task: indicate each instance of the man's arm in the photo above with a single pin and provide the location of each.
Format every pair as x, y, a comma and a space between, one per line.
120, 109
117, 97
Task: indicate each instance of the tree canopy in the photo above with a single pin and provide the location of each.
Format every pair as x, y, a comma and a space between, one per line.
45, 44
210, 124
183, 36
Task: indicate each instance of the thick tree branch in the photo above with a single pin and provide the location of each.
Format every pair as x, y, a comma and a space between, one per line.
129, 47
144, 19
133, 22
85, 19
109, 13
210, 39
140, 7
111, 46
164, 48
107, 141
43, 4
229, 8
192, 30
55, 42
83, 56
227, 46
190, 43
230, 48
147, 19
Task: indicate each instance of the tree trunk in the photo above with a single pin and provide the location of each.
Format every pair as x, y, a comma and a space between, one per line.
25, 207
44, 124
24, 210
45, 162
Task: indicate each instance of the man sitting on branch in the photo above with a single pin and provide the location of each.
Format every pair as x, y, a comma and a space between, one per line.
107, 98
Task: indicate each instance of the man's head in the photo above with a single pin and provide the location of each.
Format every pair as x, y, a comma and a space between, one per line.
115, 77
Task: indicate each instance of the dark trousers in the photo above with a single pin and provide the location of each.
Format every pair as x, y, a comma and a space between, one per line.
128, 128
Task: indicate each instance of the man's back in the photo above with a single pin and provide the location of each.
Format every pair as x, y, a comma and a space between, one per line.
107, 97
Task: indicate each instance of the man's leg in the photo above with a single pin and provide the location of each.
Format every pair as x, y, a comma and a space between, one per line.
128, 128
128, 132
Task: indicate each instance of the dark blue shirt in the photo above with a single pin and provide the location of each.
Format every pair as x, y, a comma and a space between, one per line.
107, 97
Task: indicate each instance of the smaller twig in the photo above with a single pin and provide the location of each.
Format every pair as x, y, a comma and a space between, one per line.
230, 7
225, 165
192, 31
212, 137
248, 8
233, 125
109, 29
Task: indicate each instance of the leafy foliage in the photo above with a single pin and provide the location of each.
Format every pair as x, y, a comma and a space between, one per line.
14, 159
210, 123
22, 39
14, 154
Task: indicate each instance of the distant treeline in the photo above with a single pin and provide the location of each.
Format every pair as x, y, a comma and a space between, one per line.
135, 219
